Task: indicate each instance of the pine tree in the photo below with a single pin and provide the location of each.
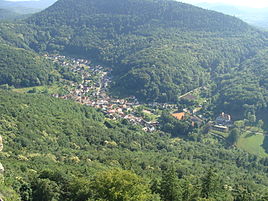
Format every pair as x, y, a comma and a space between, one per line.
170, 188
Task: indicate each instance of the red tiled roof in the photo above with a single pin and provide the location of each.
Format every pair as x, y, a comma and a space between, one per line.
179, 116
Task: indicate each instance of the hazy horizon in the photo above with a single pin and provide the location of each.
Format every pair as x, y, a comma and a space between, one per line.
244, 3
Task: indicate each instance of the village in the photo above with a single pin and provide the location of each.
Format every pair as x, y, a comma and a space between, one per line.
92, 91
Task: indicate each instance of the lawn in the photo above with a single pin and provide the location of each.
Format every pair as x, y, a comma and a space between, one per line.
225, 135
26, 89
253, 143
50, 89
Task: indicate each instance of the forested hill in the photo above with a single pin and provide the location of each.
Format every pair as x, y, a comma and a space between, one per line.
59, 150
158, 49
22, 68
26, 6
132, 14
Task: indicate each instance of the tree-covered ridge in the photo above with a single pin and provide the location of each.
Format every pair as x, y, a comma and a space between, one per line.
245, 89
133, 14
157, 49
53, 147
22, 68
152, 61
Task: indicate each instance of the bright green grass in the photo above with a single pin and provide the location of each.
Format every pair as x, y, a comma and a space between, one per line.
51, 89
26, 89
225, 135
253, 143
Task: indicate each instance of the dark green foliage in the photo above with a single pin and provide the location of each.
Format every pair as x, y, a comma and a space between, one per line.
165, 13
157, 49
170, 189
21, 68
243, 91
25, 191
45, 190
118, 185
233, 136
59, 145
174, 126
209, 184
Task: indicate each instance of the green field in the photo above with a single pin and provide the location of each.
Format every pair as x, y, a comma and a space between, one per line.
253, 143
225, 135
50, 89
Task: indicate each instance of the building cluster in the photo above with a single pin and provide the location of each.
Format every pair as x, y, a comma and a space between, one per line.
191, 116
63, 60
222, 123
92, 91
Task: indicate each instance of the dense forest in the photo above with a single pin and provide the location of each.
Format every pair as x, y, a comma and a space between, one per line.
156, 54
60, 150
159, 53
22, 68
153, 48
158, 50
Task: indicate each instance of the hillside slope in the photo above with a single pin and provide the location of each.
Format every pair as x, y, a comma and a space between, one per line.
22, 68
162, 13
26, 7
61, 144
157, 49
255, 16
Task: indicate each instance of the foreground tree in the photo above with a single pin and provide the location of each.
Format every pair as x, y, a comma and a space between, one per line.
45, 190
234, 136
120, 185
170, 188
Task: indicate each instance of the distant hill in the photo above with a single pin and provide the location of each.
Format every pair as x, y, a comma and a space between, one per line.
26, 7
255, 16
162, 13
56, 149
7, 15
156, 48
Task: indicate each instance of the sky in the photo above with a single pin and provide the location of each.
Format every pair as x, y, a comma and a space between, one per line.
21, 0
247, 3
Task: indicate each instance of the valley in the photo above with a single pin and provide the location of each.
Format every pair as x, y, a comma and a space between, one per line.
133, 100
89, 85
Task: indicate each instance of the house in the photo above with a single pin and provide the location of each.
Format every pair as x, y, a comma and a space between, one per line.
223, 119
147, 111
189, 97
220, 128
197, 109
179, 116
196, 121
